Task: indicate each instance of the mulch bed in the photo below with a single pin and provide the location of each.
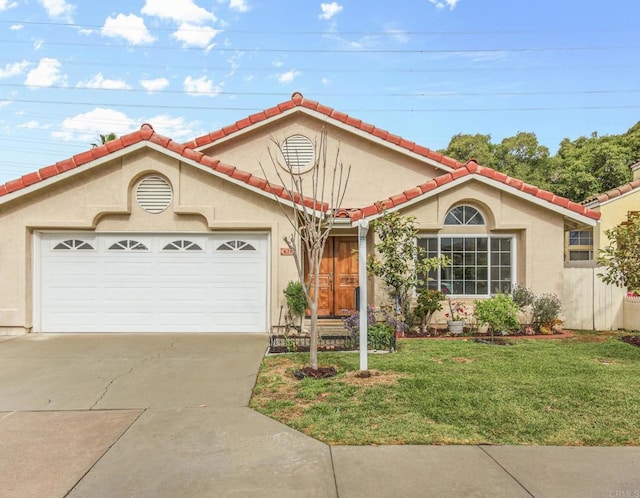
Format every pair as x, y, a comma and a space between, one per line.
634, 340
319, 373
564, 334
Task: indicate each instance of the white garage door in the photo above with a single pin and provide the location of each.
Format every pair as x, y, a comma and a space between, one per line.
151, 283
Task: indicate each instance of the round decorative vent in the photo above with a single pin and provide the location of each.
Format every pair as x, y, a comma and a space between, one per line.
154, 194
298, 152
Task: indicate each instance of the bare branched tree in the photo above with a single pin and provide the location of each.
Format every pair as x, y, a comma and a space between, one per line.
312, 214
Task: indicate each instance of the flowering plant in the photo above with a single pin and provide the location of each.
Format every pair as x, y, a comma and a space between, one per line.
457, 311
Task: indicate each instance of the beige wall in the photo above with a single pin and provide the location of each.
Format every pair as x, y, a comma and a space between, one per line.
101, 200
613, 213
376, 171
538, 231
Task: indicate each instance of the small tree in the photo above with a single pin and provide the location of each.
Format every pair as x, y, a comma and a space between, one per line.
399, 261
621, 258
311, 214
296, 302
500, 312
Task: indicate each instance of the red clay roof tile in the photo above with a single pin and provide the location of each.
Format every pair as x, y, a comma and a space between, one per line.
31, 178
14, 185
68, 164
470, 169
613, 193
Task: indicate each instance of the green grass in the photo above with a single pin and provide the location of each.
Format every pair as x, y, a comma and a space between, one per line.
579, 391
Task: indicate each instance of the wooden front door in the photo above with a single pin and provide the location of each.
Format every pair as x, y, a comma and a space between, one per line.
338, 277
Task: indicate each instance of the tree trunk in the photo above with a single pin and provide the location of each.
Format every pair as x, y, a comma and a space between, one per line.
313, 337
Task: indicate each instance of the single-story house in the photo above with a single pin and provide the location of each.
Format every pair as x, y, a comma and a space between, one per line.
144, 234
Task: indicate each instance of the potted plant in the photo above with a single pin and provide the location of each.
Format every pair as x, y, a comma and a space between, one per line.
455, 317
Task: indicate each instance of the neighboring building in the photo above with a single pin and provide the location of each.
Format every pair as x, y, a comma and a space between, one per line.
614, 207
143, 234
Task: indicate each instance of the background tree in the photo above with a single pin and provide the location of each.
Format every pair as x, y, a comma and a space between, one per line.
580, 168
621, 258
311, 217
465, 147
103, 139
398, 261
521, 156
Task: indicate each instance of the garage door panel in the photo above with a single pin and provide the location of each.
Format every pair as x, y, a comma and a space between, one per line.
155, 290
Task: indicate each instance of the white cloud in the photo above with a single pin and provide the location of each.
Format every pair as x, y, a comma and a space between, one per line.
87, 126
441, 4
288, 77
398, 35
46, 73
129, 27
175, 127
201, 86
99, 82
239, 5
195, 36
58, 8
13, 69
5, 5
32, 125
154, 85
178, 10
16, 27
329, 10
325, 81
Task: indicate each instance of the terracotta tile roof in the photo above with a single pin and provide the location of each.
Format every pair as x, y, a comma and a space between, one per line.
468, 169
297, 100
611, 194
146, 133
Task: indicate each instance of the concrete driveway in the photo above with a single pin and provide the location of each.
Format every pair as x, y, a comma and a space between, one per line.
145, 415
166, 416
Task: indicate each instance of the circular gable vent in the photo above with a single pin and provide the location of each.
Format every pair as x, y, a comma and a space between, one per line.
154, 194
298, 152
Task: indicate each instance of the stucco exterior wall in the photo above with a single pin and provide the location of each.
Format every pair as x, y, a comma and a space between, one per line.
377, 172
538, 232
613, 213
102, 199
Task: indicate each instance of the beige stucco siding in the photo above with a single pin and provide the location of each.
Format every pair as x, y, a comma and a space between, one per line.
538, 231
103, 199
377, 172
613, 213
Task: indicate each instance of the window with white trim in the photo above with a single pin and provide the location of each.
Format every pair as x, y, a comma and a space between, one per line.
182, 245
73, 245
128, 245
481, 265
236, 245
580, 245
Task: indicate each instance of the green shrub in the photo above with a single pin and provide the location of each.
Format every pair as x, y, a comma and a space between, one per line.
500, 312
380, 336
429, 301
296, 299
523, 297
546, 312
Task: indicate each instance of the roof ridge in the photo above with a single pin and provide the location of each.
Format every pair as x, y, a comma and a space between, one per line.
472, 168
612, 193
147, 133
298, 100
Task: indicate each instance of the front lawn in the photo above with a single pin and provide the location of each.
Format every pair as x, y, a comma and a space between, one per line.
579, 391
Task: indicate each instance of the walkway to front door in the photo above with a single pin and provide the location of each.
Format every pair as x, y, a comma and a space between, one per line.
338, 277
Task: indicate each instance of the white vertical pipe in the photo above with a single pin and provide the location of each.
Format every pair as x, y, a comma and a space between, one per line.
363, 228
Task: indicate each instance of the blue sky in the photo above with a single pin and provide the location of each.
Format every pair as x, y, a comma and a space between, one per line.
422, 69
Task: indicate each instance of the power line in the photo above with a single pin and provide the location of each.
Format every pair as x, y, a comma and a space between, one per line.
335, 33
337, 51
337, 94
407, 110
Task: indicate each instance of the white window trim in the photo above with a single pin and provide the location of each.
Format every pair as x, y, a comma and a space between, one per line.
514, 257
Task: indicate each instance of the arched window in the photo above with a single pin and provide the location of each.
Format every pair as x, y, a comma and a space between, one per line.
464, 215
